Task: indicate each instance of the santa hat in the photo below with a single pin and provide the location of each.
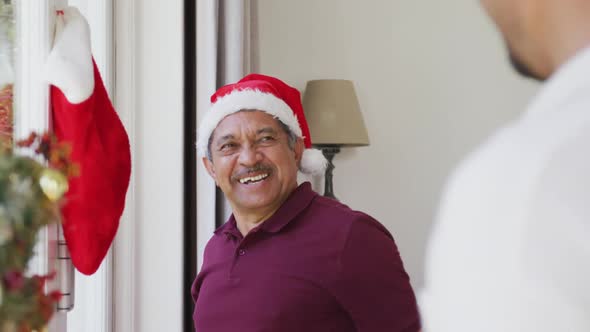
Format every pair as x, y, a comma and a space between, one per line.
267, 94
83, 116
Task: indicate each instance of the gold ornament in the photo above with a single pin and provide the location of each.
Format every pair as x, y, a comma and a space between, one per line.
53, 183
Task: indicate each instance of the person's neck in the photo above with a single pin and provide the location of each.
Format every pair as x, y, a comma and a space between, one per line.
248, 219
567, 49
567, 36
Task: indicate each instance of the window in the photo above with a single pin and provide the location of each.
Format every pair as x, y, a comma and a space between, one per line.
7, 55
26, 36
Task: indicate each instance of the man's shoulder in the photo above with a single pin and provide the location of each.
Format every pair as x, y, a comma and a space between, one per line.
517, 152
336, 215
216, 243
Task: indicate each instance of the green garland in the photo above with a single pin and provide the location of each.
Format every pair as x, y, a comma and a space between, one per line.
30, 194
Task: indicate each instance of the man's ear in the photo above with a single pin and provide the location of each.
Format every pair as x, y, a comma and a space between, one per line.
210, 168
299, 148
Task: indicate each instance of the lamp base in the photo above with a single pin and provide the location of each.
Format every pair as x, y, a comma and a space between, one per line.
329, 152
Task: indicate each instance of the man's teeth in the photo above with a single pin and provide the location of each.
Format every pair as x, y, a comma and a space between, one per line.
253, 178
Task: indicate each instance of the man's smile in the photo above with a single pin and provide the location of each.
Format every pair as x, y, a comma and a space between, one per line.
253, 179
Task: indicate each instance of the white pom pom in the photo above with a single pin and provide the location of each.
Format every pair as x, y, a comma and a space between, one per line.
313, 162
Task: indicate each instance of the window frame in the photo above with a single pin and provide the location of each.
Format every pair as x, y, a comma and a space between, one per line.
35, 21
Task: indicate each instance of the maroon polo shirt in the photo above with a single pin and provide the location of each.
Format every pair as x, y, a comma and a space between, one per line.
315, 265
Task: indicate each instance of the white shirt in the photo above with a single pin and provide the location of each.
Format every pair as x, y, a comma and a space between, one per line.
511, 248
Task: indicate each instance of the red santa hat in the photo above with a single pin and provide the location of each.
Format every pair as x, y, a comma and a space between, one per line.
267, 94
83, 115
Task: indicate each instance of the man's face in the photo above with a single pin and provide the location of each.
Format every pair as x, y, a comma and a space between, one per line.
252, 162
512, 19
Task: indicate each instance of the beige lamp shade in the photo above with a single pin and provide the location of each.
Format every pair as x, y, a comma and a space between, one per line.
333, 114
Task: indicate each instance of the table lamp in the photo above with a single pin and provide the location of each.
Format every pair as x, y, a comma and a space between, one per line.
335, 120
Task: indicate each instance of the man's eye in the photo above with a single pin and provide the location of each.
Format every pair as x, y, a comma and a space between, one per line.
267, 139
227, 146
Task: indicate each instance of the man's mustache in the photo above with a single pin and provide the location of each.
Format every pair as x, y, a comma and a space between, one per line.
249, 170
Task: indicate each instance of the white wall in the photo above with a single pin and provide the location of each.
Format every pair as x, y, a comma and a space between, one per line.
159, 173
432, 81
149, 95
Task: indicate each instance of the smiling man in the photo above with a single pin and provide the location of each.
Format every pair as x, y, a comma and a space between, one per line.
288, 259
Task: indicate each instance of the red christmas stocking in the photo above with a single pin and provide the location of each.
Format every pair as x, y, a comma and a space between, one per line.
84, 116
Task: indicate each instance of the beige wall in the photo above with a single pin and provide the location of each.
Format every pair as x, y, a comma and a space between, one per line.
432, 81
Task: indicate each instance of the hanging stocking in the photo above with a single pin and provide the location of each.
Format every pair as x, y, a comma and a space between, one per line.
83, 115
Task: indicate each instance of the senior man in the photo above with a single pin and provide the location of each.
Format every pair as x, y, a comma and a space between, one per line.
288, 259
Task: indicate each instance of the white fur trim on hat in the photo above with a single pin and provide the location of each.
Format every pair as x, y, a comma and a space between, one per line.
244, 100
69, 64
313, 162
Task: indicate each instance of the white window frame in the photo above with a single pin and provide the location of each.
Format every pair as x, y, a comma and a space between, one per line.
121, 301
34, 26
125, 313
93, 304
93, 294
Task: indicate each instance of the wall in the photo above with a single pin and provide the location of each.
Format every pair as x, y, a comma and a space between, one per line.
159, 164
432, 81
148, 257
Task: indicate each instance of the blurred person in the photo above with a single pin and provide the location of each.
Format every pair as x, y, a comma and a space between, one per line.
511, 248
